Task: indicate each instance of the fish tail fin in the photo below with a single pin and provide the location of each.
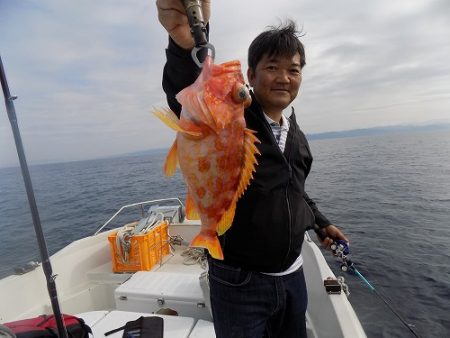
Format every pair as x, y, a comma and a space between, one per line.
170, 165
209, 242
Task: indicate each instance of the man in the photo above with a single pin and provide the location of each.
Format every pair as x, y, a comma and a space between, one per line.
259, 289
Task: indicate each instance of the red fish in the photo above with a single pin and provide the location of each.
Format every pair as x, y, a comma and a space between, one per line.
213, 147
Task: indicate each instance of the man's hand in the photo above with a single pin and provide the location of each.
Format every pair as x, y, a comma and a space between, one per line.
332, 234
173, 18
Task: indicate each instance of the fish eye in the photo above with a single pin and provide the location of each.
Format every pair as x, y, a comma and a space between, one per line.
240, 93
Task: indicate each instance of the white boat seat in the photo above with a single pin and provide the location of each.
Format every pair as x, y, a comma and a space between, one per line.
93, 317
150, 291
203, 329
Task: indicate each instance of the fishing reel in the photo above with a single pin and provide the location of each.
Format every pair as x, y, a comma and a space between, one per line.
341, 250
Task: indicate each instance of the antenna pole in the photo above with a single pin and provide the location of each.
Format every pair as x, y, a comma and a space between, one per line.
51, 286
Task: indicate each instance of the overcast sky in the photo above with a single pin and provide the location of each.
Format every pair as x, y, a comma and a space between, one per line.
87, 73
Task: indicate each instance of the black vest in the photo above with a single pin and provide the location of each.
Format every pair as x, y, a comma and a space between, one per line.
272, 215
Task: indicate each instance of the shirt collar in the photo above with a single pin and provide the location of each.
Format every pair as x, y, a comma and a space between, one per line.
284, 121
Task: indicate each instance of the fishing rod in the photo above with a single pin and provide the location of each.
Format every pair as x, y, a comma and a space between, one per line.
341, 250
197, 24
46, 266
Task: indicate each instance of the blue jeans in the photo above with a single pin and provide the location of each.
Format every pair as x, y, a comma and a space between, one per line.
247, 304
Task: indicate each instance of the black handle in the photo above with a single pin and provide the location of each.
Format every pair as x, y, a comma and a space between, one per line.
320, 232
196, 21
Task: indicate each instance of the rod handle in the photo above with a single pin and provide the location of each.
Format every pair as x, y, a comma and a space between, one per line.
194, 13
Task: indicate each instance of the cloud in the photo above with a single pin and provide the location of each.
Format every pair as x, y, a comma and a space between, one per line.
381, 63
88, 73
82, 71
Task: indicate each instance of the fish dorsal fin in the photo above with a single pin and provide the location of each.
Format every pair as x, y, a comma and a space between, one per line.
249, 161
172, 121
191, 209
170, 166
248, 168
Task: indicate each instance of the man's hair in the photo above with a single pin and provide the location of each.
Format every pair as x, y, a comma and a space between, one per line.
276, 41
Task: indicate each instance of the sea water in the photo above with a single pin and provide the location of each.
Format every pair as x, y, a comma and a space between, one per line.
390, 194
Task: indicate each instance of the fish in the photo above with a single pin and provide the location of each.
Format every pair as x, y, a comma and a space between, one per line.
213, 148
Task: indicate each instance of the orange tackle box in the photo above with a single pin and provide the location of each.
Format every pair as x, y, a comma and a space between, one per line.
145, 250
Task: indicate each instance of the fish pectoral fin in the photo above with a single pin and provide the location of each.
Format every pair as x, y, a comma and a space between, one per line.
209, 242
191, 209
170, 166
168, 117
172, 121
227, 219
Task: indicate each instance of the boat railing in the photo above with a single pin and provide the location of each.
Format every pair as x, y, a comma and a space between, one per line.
145, 207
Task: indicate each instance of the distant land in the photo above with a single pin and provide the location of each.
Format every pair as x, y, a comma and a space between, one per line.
345, 133
442, 126
379, 131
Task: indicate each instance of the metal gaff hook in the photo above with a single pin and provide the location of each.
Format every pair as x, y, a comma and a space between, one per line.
196, 49
198, 29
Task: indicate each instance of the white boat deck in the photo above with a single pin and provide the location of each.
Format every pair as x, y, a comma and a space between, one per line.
106, 300
174, 326
138, 295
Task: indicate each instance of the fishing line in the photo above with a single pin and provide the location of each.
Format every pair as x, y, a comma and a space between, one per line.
409, 326
341, 250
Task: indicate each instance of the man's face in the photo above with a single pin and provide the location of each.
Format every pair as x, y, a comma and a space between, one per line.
276, 81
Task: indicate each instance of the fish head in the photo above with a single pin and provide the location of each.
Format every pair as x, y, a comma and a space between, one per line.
216, 99
225, 93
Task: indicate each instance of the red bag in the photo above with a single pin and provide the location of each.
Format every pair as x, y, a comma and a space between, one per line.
44, 326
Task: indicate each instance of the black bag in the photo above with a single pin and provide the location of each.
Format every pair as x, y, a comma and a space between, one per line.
143, 327
44, 326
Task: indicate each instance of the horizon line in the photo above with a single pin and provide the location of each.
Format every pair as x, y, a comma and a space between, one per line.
369, 131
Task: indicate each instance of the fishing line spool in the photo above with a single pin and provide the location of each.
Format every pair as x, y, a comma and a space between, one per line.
341, 249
